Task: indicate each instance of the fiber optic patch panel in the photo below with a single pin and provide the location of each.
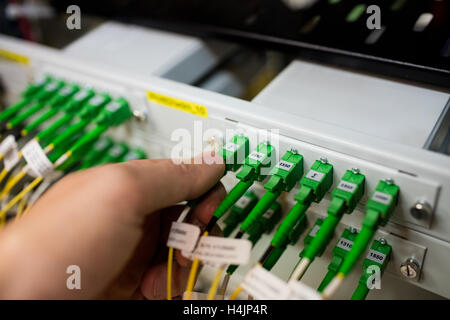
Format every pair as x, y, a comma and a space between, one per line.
419, 230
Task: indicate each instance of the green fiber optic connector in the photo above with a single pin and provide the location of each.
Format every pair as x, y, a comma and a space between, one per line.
259, 159
115, 154
99, 149
378, 256
344, 199
340, 250
313, 187
27, 97
70, 108
114, 114
283, 178
235, 152
311, 235
379, 209
37, 85
134, 154
92, 108
252, 171
56, 102
87, 113
264, 224
239, 211
42, 99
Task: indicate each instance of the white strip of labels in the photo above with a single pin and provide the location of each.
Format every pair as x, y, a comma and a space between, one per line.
345, 244
263, 285
376, 256
284, 165
37, 161
258, 156
10, 152
381, 197
315, 175
218, 250
300, 291
346, 186
183, 236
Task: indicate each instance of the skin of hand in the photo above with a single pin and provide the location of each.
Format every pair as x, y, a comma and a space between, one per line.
113, 222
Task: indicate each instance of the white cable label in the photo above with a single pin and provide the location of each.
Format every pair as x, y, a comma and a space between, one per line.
315, 175
263, 285
232, 147
376, 256
345, 244
381, 197
346, 186
218, 250
284, 165
37, 161
8, 144
8, 148
10, 159
183, 236
258, 156
300, 291
243, 202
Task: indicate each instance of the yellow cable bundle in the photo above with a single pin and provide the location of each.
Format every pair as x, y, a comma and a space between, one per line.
17, 198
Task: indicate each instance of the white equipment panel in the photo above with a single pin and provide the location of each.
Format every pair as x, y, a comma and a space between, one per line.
421, 174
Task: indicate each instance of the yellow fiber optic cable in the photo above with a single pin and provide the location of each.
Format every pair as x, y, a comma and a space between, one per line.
181, 218
193, 274
215, 285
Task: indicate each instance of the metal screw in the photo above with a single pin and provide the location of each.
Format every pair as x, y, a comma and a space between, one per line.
323, 160
356, 170
383, 241
294, 151
421, 210
353, 230
139, 115
389, 181
410, 268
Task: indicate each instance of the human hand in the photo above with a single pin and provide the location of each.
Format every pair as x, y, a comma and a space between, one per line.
112, 222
